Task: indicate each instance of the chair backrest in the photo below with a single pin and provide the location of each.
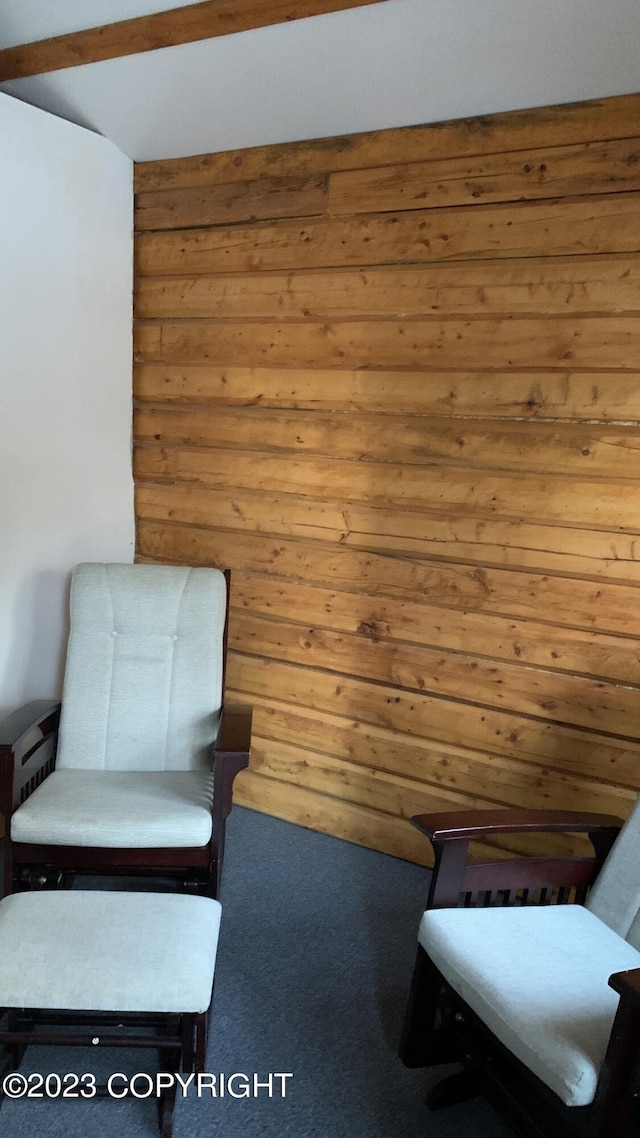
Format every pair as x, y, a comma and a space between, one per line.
143, 678
615, 897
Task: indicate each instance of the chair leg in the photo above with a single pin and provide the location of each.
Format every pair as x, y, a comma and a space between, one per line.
459, 1087
201, 1025
187, 1056
617, 1105
213, 885
17, 1022
215, 879
167, 1100
420, 1017
194, 1041
166, 1108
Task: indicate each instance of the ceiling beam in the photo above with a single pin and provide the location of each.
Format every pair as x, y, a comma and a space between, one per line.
201, 21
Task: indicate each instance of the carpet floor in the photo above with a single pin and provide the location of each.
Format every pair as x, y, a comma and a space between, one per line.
316, 952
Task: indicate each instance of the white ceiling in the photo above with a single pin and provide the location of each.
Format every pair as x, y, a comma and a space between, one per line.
391, 64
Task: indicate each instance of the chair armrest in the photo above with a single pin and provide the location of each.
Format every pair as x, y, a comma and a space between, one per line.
32, 716
234, 731
451, 832
619, 1081
24, 758
469, 824
230, 754
627, 985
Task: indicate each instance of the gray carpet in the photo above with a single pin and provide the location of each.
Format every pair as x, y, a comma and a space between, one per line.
316, 953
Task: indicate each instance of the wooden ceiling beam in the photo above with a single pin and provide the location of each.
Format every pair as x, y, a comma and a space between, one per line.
202, 21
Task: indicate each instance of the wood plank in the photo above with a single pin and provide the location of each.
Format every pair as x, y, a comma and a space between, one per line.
377, 790
432, 718
385, 621
200, 21
609, 118
606, 224
582, 552
572, 701
453, 493
346, 820
523, 175
588, 396
240, 201
512, 782
372, 828
569, 602
593, 342
544, 448
530, 287
293, 759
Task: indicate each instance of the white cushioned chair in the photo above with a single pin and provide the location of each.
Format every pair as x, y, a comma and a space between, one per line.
135, 772
528, 973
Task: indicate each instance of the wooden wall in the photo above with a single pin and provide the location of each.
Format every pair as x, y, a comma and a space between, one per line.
393, 381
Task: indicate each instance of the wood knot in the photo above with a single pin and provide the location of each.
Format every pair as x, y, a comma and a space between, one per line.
370, 629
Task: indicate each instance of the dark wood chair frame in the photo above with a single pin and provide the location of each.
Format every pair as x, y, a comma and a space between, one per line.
180, 1039
28, 742
440, 1028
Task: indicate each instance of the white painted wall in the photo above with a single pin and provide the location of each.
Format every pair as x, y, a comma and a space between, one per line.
65, 381
385, 65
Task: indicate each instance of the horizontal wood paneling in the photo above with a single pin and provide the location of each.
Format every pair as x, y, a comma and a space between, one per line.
240, 201
549, 172
365, 826
583, 396
453, 492
585, 449
577, 603
408, 421
495, 733
571, 700
330, 815
543, 126
383, 619
594, 342
555, 549
390, 794
440, 766
590, 225
584, 285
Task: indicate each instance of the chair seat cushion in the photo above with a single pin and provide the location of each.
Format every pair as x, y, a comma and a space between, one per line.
116, 809
87, 950
537, 977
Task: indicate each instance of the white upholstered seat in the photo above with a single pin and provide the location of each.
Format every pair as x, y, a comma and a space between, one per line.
535, 992
153, 810
108, 951
538, 978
